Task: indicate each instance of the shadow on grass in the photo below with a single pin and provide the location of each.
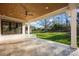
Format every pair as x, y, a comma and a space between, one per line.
57, 37
78, 40
61, 38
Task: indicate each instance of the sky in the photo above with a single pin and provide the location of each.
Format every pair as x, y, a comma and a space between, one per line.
57, 18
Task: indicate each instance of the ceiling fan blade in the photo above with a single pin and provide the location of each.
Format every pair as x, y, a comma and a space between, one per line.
26, 12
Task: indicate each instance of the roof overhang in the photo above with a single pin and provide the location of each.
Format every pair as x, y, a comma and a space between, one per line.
39, 10
59, 11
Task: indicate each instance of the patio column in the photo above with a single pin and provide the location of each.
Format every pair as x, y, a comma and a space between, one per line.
23, 29
28, 24
73, 14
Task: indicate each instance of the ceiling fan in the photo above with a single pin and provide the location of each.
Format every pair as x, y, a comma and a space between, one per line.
27, 13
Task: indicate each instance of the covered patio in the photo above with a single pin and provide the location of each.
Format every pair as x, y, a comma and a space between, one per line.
36, 47
27, 43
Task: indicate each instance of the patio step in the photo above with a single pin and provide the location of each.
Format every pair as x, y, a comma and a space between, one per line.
31, 36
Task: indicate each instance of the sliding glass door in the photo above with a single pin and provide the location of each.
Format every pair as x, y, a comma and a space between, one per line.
10, 27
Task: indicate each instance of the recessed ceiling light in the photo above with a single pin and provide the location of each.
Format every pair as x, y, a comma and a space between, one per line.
46, 7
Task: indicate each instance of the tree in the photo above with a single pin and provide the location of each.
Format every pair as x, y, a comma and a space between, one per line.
77, 18
78, 23
45, 23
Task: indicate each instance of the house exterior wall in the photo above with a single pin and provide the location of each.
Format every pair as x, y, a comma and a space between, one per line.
11, 36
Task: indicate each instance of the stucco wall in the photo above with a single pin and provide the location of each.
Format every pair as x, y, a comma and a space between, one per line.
12, 37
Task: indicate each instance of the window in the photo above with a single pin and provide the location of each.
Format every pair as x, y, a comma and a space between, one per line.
10, 27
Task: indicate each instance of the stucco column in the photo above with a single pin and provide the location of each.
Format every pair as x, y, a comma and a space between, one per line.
23, 29
73, 14
28, 24
29, 29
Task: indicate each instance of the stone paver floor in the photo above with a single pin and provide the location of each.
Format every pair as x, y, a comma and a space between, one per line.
36, 47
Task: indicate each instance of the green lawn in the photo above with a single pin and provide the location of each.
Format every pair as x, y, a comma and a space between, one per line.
61, 37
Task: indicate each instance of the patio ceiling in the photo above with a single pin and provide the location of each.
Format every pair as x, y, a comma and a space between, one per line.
35, 10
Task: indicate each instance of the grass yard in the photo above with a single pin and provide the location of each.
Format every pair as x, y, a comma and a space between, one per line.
61, 37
